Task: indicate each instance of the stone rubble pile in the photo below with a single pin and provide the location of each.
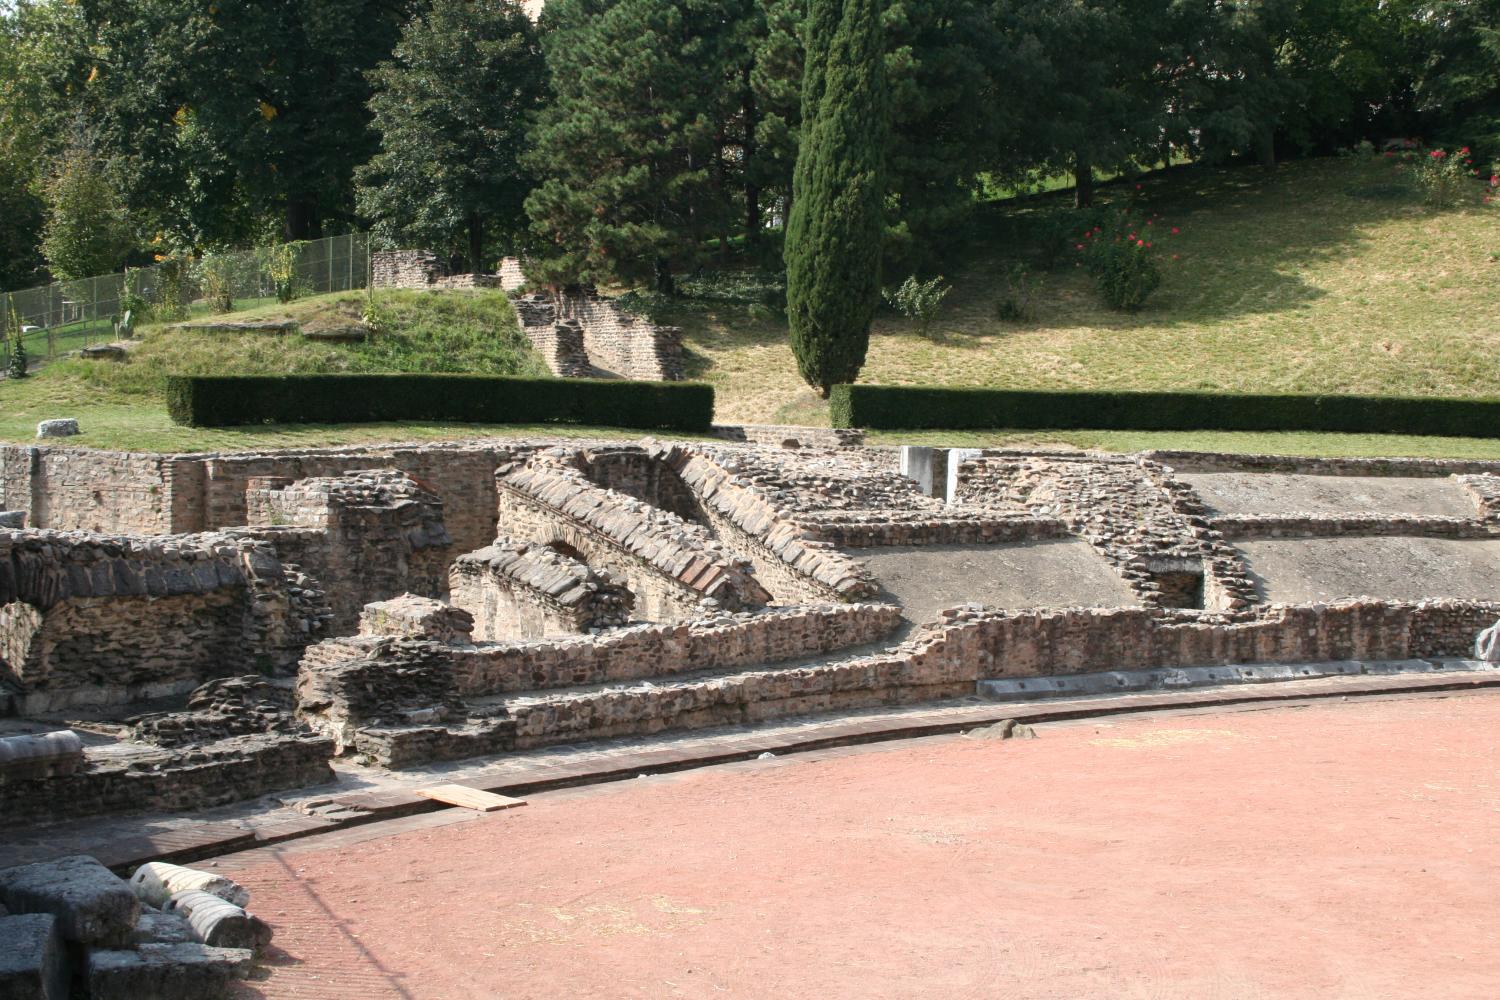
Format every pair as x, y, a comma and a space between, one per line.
72, 928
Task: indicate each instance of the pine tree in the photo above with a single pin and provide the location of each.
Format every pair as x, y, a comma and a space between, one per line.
834, 234
628, 145
452, 112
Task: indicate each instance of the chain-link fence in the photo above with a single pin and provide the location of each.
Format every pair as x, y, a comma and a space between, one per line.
68, 315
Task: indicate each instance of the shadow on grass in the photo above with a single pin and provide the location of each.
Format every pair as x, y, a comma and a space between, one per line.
1247, 237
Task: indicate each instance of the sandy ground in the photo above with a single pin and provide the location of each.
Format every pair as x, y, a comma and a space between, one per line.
1278, 493
925, 579
1336, 851
1397, 568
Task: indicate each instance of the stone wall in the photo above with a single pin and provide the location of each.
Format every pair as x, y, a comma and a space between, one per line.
524, 590
459, 474
1199, 461
1485, 492
98, 620
622, 344
1243, 527
365, 536
512, 277
167, 780
671, 566
78, 488
771, 636
614, 343
422, 269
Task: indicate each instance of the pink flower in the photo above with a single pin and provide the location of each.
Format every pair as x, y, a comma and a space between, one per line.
1080, 246
1140, 243
1437, 154
1175, 230
1494, 180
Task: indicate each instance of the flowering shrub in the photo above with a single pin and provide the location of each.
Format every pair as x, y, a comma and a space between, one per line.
1445, 176
1121, 253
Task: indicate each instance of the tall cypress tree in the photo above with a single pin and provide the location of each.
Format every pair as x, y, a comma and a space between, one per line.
834, 233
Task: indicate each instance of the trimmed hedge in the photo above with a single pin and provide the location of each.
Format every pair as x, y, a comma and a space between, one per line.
223, 401
887, 407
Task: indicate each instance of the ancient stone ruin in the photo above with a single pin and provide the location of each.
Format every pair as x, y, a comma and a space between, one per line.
578, 334
192, 630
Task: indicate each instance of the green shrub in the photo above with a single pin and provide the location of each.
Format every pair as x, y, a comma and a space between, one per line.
222, 401
918, 300
880, 407
214, 274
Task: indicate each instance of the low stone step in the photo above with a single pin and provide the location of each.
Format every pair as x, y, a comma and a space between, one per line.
1106, 682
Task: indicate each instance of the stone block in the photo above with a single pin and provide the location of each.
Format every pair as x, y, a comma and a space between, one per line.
33, 962
63, 427
13, 520
92, 905
187, 971
156, 882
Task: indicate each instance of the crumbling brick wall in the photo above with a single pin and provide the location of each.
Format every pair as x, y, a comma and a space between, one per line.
365, 536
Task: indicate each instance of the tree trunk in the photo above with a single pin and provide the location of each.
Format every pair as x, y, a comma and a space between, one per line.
476, 243
1265, 147
752, 190
665, 283
302, 222
1083, 180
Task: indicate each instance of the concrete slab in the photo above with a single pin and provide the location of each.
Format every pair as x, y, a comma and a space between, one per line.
925, 579
1281, 493
1398, 568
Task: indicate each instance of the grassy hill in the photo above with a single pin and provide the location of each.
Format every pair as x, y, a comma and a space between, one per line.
1325, 276
122, 404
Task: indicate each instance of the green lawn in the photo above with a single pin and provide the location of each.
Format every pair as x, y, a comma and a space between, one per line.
1326, 276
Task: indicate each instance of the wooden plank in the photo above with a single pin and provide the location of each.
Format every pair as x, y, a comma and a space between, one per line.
470, 798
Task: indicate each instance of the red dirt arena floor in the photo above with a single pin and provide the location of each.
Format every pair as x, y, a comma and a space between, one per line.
1333, 850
